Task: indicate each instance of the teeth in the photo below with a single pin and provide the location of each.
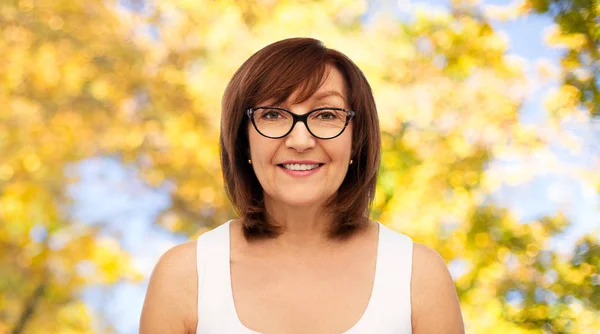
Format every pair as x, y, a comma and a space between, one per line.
300, 166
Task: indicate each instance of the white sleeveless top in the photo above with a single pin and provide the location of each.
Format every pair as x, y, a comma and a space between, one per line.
388, 311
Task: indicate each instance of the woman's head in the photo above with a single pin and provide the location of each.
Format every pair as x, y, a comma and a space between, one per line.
300, 75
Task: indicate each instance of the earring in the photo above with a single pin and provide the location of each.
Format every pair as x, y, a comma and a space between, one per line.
351, 161
250, 161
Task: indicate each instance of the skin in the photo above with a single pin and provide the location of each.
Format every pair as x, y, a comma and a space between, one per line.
302, 264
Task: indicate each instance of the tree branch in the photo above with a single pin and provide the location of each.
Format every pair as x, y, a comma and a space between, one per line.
30, 308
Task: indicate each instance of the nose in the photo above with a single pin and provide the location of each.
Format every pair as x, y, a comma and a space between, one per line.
300, 139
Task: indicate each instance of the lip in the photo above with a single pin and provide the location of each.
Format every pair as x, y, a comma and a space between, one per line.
300, 162
300, 173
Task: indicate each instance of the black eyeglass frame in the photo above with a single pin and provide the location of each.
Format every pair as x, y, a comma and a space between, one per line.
300, 118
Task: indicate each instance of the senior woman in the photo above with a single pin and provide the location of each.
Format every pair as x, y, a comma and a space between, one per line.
300, 150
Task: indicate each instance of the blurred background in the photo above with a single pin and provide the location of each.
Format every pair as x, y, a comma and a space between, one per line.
109, 125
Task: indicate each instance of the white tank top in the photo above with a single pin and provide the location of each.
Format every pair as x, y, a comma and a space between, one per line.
388, 311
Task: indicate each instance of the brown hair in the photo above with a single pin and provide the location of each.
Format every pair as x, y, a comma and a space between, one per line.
277, 71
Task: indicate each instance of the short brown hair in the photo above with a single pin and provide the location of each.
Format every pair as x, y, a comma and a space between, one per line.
275, 72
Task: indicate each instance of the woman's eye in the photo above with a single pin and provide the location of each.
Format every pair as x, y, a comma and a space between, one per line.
327, 115
271, 115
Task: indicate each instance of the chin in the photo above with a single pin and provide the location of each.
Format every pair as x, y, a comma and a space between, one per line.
299, 201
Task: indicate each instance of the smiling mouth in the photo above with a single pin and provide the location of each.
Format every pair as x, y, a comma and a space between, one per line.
300, 167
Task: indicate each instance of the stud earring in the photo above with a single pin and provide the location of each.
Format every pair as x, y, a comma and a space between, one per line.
250, 161
351, 161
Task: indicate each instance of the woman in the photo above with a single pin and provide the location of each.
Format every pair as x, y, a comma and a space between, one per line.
300, 151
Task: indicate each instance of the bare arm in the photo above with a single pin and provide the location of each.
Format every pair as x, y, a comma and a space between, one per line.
435, 306
170, 304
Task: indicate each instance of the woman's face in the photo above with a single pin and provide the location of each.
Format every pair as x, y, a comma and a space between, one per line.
271, 158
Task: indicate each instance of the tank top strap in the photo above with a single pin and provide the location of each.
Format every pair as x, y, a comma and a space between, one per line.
391, 305
212, 260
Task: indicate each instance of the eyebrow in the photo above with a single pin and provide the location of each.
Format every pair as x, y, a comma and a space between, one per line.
325, 94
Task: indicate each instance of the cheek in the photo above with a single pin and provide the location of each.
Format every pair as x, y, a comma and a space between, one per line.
262, 151
343, 148
256, 145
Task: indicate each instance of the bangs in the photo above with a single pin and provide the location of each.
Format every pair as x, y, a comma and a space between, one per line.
301, 69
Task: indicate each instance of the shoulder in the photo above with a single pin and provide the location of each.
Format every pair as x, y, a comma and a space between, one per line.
170, 303
435, 306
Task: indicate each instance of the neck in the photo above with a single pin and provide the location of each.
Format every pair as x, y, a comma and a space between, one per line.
305, 228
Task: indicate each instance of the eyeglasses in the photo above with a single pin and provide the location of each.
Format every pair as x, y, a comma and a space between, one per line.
323, 123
